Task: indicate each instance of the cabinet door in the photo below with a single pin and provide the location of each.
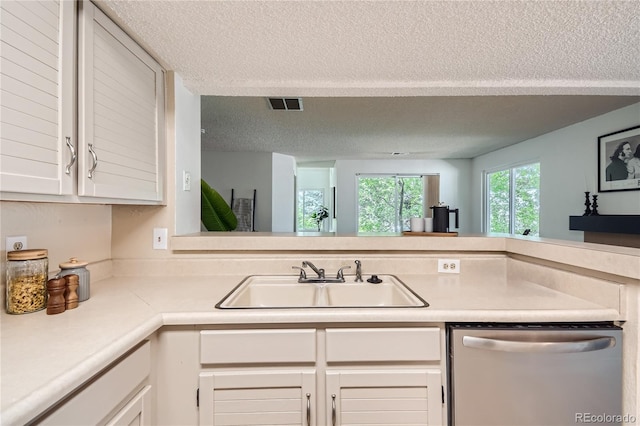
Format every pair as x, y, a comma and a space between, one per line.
37, 148
384, 397
121, 113
257, 398
137, 412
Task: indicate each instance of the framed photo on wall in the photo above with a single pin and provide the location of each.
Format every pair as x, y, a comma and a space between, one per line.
619, 160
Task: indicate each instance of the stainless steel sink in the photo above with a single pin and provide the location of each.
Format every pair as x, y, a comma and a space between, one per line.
276, 292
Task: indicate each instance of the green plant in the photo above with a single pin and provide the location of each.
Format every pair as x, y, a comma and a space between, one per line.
319, 215
216, 215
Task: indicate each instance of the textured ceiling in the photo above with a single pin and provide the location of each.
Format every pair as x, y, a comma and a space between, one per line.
386, 74
425, 127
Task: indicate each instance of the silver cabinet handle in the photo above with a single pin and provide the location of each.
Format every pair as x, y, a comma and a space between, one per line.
538, 347
308, 409
95, 161
74, 156
333, 409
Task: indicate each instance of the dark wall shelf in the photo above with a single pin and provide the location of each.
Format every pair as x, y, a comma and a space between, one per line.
613, 224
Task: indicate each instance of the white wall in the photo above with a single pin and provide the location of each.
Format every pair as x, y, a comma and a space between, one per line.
132, 226
187, 157
66, 230
283, 190
568, 167
243, 172
455, 185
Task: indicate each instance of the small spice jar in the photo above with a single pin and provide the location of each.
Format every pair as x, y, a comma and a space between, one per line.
27, 274
71, 293
77, 267
56, 303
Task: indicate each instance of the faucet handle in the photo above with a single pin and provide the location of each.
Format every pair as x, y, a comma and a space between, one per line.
340, 274
358, 271
303, 273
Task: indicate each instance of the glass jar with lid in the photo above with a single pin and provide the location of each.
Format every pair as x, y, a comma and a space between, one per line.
27, 274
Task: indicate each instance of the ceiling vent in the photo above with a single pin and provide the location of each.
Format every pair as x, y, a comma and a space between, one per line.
286, 104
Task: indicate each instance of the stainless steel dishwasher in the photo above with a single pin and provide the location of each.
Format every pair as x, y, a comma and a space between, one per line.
534, 374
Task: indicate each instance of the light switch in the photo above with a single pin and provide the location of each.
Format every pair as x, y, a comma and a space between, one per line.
160, 236
186, 180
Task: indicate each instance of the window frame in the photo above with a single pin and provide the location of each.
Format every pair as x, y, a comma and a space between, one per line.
388, 175
305, 190
486, 225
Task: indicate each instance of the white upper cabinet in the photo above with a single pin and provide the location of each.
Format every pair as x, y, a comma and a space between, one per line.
77, 127
120, 113
37, 138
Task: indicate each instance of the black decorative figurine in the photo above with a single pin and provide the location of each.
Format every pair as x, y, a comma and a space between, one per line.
594, 210
587, 204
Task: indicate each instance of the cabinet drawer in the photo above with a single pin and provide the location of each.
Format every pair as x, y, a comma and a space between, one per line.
94, 402
383, 344
257, 346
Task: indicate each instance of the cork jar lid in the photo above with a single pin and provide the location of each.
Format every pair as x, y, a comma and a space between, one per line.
73, 263
31, 254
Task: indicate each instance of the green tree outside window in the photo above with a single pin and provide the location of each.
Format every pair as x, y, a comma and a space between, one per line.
309, 201
514, 200
386, 203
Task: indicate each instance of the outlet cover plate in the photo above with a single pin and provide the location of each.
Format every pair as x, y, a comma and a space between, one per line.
16, 243
449, 266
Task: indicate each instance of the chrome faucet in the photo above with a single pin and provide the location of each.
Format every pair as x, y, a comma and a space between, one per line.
320, 271
358, 271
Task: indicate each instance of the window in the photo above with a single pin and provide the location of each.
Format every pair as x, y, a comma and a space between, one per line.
386, 202
309, 201
513, 200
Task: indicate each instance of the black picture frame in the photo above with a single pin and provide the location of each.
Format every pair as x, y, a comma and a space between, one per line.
619, 152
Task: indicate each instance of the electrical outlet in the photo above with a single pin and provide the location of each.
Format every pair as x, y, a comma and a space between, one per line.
160, 236
449, 266
16, 243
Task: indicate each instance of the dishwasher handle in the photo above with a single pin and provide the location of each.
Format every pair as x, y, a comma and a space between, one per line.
500, 345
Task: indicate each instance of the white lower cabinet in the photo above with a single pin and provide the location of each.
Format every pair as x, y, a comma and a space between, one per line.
384, 397
118, 396
136, 413
257, 397
387, 376
332, 376
259, 377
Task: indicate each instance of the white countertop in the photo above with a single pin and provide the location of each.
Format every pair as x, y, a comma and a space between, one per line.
43, 357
